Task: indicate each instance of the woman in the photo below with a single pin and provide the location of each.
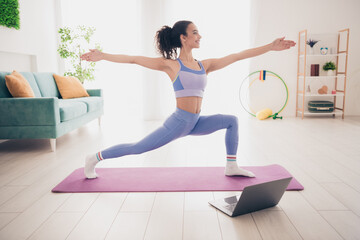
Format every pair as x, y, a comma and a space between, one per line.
189, 80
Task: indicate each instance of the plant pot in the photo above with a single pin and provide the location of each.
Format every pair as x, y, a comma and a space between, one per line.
330, 72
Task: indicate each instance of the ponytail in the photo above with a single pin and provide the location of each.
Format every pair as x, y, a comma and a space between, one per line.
168, 39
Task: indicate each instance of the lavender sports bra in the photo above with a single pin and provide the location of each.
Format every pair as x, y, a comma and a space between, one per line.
189, 82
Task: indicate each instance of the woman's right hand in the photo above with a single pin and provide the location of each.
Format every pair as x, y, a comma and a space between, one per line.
93, 56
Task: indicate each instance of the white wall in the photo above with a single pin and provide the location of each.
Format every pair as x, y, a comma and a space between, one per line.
155, 84
224, 27
118, 31
277, 18
37, 34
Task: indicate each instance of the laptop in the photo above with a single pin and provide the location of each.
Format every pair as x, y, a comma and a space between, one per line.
253, 198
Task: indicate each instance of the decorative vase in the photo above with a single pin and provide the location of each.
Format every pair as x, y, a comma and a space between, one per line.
311, 50
308, 90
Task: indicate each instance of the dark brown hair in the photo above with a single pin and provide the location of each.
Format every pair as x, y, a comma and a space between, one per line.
168, 39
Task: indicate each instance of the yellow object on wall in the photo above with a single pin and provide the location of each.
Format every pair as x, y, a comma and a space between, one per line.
264, 114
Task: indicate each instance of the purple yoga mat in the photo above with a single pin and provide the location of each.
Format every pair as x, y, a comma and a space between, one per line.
170, 179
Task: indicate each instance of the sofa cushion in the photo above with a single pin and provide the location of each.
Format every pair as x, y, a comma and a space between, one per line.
93, 103
70, 87
30, 78
18, 86
70, 109
47, 85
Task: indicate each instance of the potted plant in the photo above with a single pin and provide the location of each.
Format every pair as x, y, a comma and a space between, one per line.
329, 67
311, 43
74, 43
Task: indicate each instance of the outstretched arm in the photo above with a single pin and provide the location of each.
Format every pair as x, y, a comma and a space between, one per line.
153, 63
214, 64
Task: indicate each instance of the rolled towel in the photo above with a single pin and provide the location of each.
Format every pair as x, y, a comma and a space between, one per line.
263, 114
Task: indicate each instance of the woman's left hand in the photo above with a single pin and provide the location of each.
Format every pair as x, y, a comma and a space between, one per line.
282, 44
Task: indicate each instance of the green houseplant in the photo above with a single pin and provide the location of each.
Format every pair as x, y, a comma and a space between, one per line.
9, 14
74, 43
329, 67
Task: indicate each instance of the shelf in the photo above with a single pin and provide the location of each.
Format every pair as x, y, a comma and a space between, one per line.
322, 95
319, 55
312, 77
311, 35
323, 34
336, 112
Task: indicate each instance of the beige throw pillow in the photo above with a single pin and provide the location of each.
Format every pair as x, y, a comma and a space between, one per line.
70, 87
18, 86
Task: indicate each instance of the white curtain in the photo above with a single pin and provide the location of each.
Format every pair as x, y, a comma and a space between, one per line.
129, 27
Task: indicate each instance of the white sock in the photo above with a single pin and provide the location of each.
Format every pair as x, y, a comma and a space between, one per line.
90, 163
232, 169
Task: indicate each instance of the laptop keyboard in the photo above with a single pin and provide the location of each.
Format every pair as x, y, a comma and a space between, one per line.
230, 206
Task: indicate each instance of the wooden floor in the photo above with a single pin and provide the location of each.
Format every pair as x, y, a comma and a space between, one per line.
322, 153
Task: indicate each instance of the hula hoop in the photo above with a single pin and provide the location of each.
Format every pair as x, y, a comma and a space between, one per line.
267, 73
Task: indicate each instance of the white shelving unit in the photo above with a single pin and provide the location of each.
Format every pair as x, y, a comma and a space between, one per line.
338, 81
319, 55
336, 113
322, 95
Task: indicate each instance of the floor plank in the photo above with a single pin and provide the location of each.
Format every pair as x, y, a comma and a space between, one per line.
194, 201
166, 219
57, 227
98, 219
307, 220
6, 218
129, 225
78, 202
275, 225
346, 223
25, 223
345, 194
238, 228
8, 192
138, 202
314, 193
194, 222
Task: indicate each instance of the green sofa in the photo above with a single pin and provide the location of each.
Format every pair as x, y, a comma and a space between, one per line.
47, 115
